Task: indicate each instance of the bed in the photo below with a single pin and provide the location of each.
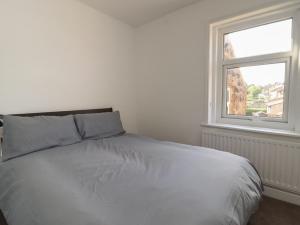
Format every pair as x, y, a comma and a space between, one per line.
128, 180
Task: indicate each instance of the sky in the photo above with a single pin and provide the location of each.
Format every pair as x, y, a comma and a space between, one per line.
264, 74
266, 39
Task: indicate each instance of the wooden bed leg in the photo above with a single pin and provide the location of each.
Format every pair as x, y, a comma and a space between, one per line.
2, 219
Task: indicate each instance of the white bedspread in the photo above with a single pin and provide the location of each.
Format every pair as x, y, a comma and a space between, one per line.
128, 180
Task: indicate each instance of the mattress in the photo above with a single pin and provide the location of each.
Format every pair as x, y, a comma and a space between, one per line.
128, 180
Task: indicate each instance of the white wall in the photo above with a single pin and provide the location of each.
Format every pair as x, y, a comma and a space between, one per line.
172, 59
62, 55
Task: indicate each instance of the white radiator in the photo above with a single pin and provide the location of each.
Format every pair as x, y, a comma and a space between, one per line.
277, 162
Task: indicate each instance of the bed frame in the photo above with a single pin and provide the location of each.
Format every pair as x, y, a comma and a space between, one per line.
57, 113
60, 113
2, 219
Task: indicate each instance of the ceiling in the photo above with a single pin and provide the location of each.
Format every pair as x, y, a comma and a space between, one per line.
137, 12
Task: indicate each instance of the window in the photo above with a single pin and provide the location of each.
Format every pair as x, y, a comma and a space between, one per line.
255, 91
261, 40
254, 69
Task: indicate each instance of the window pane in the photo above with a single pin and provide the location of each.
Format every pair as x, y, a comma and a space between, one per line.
266, 39
256, 90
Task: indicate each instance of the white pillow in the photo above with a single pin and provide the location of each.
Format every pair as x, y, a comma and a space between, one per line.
23, 135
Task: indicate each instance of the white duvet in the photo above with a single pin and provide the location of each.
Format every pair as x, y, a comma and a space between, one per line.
128, 180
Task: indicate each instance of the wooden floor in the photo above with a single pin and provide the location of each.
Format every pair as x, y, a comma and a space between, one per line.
275, 212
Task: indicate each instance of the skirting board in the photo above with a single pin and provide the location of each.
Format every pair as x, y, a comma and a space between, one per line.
282, 195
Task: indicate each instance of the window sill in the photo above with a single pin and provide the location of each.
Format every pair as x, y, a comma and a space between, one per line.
259, 130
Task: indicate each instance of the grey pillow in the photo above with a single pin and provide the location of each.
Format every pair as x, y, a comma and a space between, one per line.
22, 135
99, 125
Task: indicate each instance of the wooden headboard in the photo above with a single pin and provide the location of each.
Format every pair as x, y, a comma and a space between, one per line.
61, 113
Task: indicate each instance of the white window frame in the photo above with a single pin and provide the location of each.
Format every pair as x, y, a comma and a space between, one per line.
284, 119
218, 65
